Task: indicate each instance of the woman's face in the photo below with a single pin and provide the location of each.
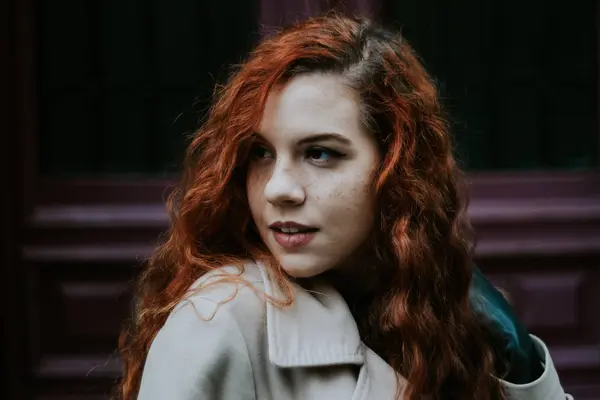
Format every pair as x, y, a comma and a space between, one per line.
310, 177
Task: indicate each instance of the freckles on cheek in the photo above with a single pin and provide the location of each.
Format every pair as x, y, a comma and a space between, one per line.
334, 191
360, 196
354, 190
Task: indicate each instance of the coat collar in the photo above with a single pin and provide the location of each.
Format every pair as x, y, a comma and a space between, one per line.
316, 330
319, 330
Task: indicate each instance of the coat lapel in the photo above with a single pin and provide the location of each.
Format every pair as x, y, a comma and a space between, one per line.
319, 330
377, 379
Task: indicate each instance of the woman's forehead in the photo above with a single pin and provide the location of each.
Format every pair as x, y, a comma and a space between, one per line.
311, 103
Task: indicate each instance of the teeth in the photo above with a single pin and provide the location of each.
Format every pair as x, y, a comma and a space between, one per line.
290, 230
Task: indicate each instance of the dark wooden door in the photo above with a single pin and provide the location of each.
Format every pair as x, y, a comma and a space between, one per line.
89, 146
101, 96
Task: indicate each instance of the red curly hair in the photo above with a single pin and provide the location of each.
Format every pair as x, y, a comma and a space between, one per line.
421, 321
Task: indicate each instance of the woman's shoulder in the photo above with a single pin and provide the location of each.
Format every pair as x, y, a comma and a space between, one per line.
547, 386
208, 337
222, 306
235, 290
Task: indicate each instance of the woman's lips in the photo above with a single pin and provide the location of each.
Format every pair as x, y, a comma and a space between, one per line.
293, 240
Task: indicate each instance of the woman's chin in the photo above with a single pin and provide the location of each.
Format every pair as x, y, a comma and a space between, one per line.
302, 266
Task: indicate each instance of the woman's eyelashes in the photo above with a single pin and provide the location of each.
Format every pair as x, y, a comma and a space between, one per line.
261, 152
322, 155
316, 155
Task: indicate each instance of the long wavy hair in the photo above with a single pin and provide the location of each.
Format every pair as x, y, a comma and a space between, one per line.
421, 321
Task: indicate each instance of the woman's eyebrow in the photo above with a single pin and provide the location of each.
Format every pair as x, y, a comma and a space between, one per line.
257, 136
318, 137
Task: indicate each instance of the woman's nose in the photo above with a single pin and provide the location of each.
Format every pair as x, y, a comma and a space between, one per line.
284, 188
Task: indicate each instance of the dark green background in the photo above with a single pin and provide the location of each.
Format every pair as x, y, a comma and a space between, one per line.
122, 82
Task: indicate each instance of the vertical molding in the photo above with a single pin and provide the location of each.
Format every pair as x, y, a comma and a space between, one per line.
17, 119
27, 129
8, 375
26, 97
598, 84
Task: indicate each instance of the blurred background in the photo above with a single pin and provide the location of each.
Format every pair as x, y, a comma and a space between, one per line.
99, 95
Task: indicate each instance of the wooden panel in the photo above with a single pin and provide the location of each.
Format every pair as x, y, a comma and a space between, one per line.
82, 257
77, 309
555, 301
539, 239
562, 292
542, 247
93, 309
557, 298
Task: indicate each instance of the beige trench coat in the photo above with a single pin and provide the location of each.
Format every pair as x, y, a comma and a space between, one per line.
251, 349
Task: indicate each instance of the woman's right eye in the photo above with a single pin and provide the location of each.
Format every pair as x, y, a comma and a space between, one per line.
260, 152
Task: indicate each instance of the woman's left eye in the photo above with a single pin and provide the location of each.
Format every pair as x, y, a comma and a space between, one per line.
321, 155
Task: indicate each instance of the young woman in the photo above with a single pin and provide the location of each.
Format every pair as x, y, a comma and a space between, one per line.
319, 246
